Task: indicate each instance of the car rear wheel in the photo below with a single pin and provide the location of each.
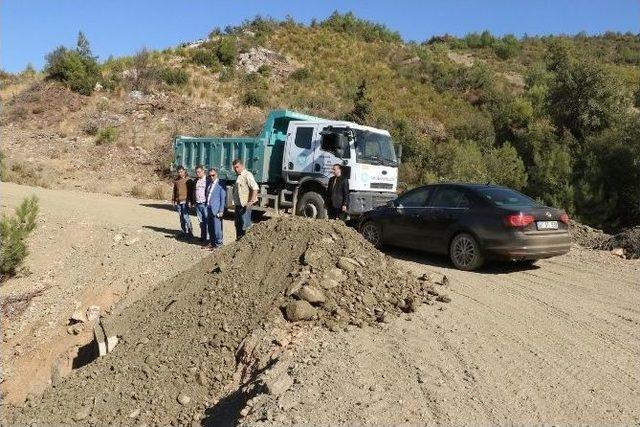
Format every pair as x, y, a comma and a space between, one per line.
373, 233
465, 253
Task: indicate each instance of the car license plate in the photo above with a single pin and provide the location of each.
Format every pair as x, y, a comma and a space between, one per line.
547, 225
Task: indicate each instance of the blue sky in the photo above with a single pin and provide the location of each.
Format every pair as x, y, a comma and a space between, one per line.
31, 28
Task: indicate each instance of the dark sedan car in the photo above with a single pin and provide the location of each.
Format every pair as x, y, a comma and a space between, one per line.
471, 223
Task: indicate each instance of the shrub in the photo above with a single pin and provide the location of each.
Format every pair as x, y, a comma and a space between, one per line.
361, 105
255, 98
138, 191
13, 232
173, 76
585, 97
361, 28
158, 192
507, 47
75, 68
227, 51
107, 135
300, 74
205, 57
265, 70
505, 167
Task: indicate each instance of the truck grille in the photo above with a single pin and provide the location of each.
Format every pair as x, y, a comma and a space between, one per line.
382, 185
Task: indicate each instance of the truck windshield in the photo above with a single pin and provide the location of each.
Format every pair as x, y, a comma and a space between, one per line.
374, 148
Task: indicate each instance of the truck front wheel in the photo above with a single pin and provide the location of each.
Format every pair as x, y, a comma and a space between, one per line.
311, 205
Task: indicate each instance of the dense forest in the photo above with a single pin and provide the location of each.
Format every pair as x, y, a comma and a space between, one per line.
556, 117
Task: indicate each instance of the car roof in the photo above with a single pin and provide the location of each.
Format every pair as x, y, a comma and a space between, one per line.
467, 185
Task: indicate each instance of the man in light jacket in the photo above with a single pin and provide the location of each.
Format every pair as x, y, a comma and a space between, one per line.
216, 197
200, 198
245, 195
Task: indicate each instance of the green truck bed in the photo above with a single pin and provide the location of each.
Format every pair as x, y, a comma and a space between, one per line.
262, 155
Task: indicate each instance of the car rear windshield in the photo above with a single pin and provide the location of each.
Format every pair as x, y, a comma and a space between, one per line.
506, 197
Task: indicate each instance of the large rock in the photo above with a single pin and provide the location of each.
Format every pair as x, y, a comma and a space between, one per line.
299, 310
311, 294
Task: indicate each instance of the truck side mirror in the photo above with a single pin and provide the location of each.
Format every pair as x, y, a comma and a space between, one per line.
398, 148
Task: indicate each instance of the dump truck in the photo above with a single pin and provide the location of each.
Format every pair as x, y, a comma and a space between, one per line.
292, 157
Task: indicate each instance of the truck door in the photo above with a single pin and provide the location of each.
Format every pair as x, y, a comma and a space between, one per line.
300, 149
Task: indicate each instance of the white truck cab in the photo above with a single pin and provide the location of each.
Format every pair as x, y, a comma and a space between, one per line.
366, 154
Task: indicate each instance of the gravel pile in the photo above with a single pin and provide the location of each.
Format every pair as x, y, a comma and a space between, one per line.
587, 237
628, 240
178, 343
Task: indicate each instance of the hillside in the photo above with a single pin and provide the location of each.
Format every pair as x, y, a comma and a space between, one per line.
556, 117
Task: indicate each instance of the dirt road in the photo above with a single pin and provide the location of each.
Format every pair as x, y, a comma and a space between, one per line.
557, 343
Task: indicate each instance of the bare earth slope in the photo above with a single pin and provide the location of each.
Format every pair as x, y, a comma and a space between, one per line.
555, 344
88, 249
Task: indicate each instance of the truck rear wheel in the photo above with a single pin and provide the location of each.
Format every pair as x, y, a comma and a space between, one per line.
311, 205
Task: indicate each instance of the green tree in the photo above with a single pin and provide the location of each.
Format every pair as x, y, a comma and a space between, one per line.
227, 51
77, 69
610, 176
585, 97
505, 167
83, 47
13, 233
362, 105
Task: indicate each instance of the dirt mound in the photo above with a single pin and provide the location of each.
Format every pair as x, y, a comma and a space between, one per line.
177, 344
586, 236
628, 240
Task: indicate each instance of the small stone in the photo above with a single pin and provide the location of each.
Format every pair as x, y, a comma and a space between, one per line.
347, 264
444, 281
280, 384
329, 284
311, 294
132, 241
117, 238
75, 329
335, 274
93, 313
443, 298
134, 413
183, 399
299, 310
619, 252
83, 413
201, 378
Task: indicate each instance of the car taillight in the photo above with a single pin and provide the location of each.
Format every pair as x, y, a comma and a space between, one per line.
564, 218
518, 220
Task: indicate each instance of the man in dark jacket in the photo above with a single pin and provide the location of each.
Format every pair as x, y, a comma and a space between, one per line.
338, 193
182, 191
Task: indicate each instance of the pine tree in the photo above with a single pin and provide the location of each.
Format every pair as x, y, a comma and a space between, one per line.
83, 47
362, 105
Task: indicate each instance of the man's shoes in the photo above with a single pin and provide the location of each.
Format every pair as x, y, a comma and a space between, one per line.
208, 247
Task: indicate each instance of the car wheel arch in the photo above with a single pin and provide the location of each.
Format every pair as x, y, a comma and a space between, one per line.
459, 231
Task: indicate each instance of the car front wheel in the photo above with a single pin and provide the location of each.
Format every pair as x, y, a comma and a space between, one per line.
373, 233
465, 253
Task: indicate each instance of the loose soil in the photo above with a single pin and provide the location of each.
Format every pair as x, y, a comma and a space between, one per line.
555, 344
178, 342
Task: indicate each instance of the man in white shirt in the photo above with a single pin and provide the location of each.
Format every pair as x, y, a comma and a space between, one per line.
245, 195
200, 199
